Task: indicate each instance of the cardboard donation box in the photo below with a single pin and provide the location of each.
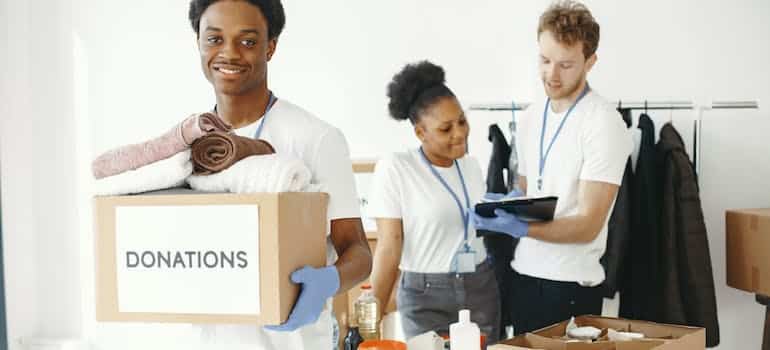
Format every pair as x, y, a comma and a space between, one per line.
656, 336
748, 250
205, 258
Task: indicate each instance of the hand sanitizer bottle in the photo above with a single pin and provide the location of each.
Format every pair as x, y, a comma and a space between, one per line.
464, 335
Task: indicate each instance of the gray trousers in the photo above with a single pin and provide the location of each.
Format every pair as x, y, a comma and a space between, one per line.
431, 301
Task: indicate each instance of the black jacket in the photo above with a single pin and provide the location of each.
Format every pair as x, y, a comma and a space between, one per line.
618, 236
500, 247
640, 282
619, 228
498, 162
687, 281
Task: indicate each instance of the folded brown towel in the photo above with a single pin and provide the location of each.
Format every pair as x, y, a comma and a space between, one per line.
209, 122
131, 157
218, 151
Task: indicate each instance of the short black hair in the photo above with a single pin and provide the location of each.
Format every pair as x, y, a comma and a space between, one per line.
416, 87
271, 9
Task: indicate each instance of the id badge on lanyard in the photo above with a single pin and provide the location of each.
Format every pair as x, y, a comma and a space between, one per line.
465, 261
465, 258
544, 154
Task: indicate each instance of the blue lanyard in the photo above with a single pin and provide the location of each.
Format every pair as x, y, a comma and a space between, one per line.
270, 101
463, 212
544, 157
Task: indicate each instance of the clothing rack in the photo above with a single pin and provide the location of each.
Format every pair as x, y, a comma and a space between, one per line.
697, 122
646, 106
634, 105
499, 106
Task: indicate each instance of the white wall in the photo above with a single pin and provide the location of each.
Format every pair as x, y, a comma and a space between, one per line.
38, 151
80, 77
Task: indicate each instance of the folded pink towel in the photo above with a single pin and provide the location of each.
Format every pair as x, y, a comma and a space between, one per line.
131, 157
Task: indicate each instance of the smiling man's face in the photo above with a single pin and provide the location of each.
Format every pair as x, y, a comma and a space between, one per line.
234, 47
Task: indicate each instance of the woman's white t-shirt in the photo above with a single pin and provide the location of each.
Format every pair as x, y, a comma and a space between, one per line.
405, 188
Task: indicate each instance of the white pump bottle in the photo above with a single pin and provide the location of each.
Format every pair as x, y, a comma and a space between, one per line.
464, 335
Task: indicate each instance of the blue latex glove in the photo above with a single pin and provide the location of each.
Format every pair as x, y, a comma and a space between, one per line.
489, 196
318, 285
514, 193
503, 222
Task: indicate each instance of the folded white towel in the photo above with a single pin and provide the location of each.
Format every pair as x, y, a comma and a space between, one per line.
167, 173
256, 174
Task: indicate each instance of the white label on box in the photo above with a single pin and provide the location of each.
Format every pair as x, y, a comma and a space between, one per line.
196, 259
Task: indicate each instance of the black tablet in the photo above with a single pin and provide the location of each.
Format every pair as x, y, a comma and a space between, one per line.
526, 209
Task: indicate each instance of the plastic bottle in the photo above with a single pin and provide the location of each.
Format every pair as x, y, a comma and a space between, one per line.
353, 338
367, 313
464, 334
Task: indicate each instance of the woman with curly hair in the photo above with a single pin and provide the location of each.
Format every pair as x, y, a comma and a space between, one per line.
421, 200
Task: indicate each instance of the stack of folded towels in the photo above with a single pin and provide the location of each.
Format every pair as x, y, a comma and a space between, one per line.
203, 152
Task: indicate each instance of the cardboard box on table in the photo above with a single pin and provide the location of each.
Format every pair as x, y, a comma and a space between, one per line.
748, 247
660, 336
244, 248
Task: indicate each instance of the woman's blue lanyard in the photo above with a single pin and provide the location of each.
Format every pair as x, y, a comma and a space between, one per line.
544, 157
463, 212
270, 101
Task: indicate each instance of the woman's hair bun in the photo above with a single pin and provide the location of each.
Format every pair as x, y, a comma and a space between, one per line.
409, 84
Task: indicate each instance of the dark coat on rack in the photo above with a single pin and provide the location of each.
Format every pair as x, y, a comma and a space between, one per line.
498, 162
500, 247
639, 282
618, 236
619, 228
687, 280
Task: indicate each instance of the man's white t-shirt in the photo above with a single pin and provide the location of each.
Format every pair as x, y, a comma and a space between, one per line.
291, 130
593, 145
404, 188
324, 150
